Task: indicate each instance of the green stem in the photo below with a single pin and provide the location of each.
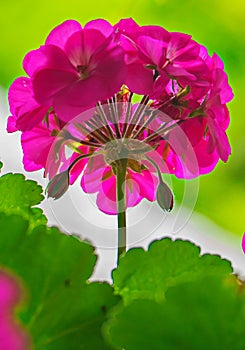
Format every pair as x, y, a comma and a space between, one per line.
121, 206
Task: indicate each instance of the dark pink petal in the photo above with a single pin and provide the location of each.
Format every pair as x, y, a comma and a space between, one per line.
46, 57
128, 27
131, 54
84, 94
139, 79
182, 48
155, 32
60, 34
159, 87
26, 111
29, 119
100, 25
112, 56
48, 82
222, 86
81, 45
93, 174
220, 139
194, 130
36, 145
177, 70
11, 125
147, 183
106, 198
19, 94
206, 161
151, 50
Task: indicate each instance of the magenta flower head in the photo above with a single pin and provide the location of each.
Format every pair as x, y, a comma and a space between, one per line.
12, 335
77, 116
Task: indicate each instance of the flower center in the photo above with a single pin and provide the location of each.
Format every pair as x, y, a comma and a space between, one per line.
83, 71
133, 150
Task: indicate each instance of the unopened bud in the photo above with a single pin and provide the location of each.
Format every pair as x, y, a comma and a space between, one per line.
58, 185
165, 197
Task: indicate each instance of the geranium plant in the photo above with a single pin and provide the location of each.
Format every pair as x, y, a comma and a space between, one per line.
79, 94
119, 106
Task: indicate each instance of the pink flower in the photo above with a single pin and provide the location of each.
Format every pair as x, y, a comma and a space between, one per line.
77, 67
76, 114
154, 56
26, 112
12, 335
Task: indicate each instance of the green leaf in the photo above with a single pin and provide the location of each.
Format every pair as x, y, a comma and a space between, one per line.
18, 196
149, 274
199, 315
64, 310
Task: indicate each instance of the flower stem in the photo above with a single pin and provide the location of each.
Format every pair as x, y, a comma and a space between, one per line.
121, 206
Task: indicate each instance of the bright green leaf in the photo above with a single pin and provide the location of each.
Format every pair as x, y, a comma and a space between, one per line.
197, 315
148, 274
64, 311
18, 196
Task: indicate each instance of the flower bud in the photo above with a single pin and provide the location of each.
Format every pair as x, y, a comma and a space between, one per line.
58, 185
165, 197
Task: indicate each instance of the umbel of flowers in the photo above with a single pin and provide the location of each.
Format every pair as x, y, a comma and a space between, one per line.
80, 93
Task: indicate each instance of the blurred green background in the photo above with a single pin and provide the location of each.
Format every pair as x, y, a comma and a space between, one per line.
219, 25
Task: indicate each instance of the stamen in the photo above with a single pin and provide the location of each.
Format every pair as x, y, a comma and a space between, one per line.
97, 133
105, 121
114, 115
128, 113
162, 131
146, 123
96, 126
93, 134
139, 110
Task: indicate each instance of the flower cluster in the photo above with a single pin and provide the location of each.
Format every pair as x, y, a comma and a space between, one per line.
80, 95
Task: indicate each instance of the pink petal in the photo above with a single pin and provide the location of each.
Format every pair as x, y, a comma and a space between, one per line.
81, 46
36, 145
60, 34
152, 49
27, 112
49, 82
194, 130
19, 93
11, 125
139, 79
100, 25
46, 57
147, 183
155, 32
106, 198
127, 26
93, 174
221, 139
182, 48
